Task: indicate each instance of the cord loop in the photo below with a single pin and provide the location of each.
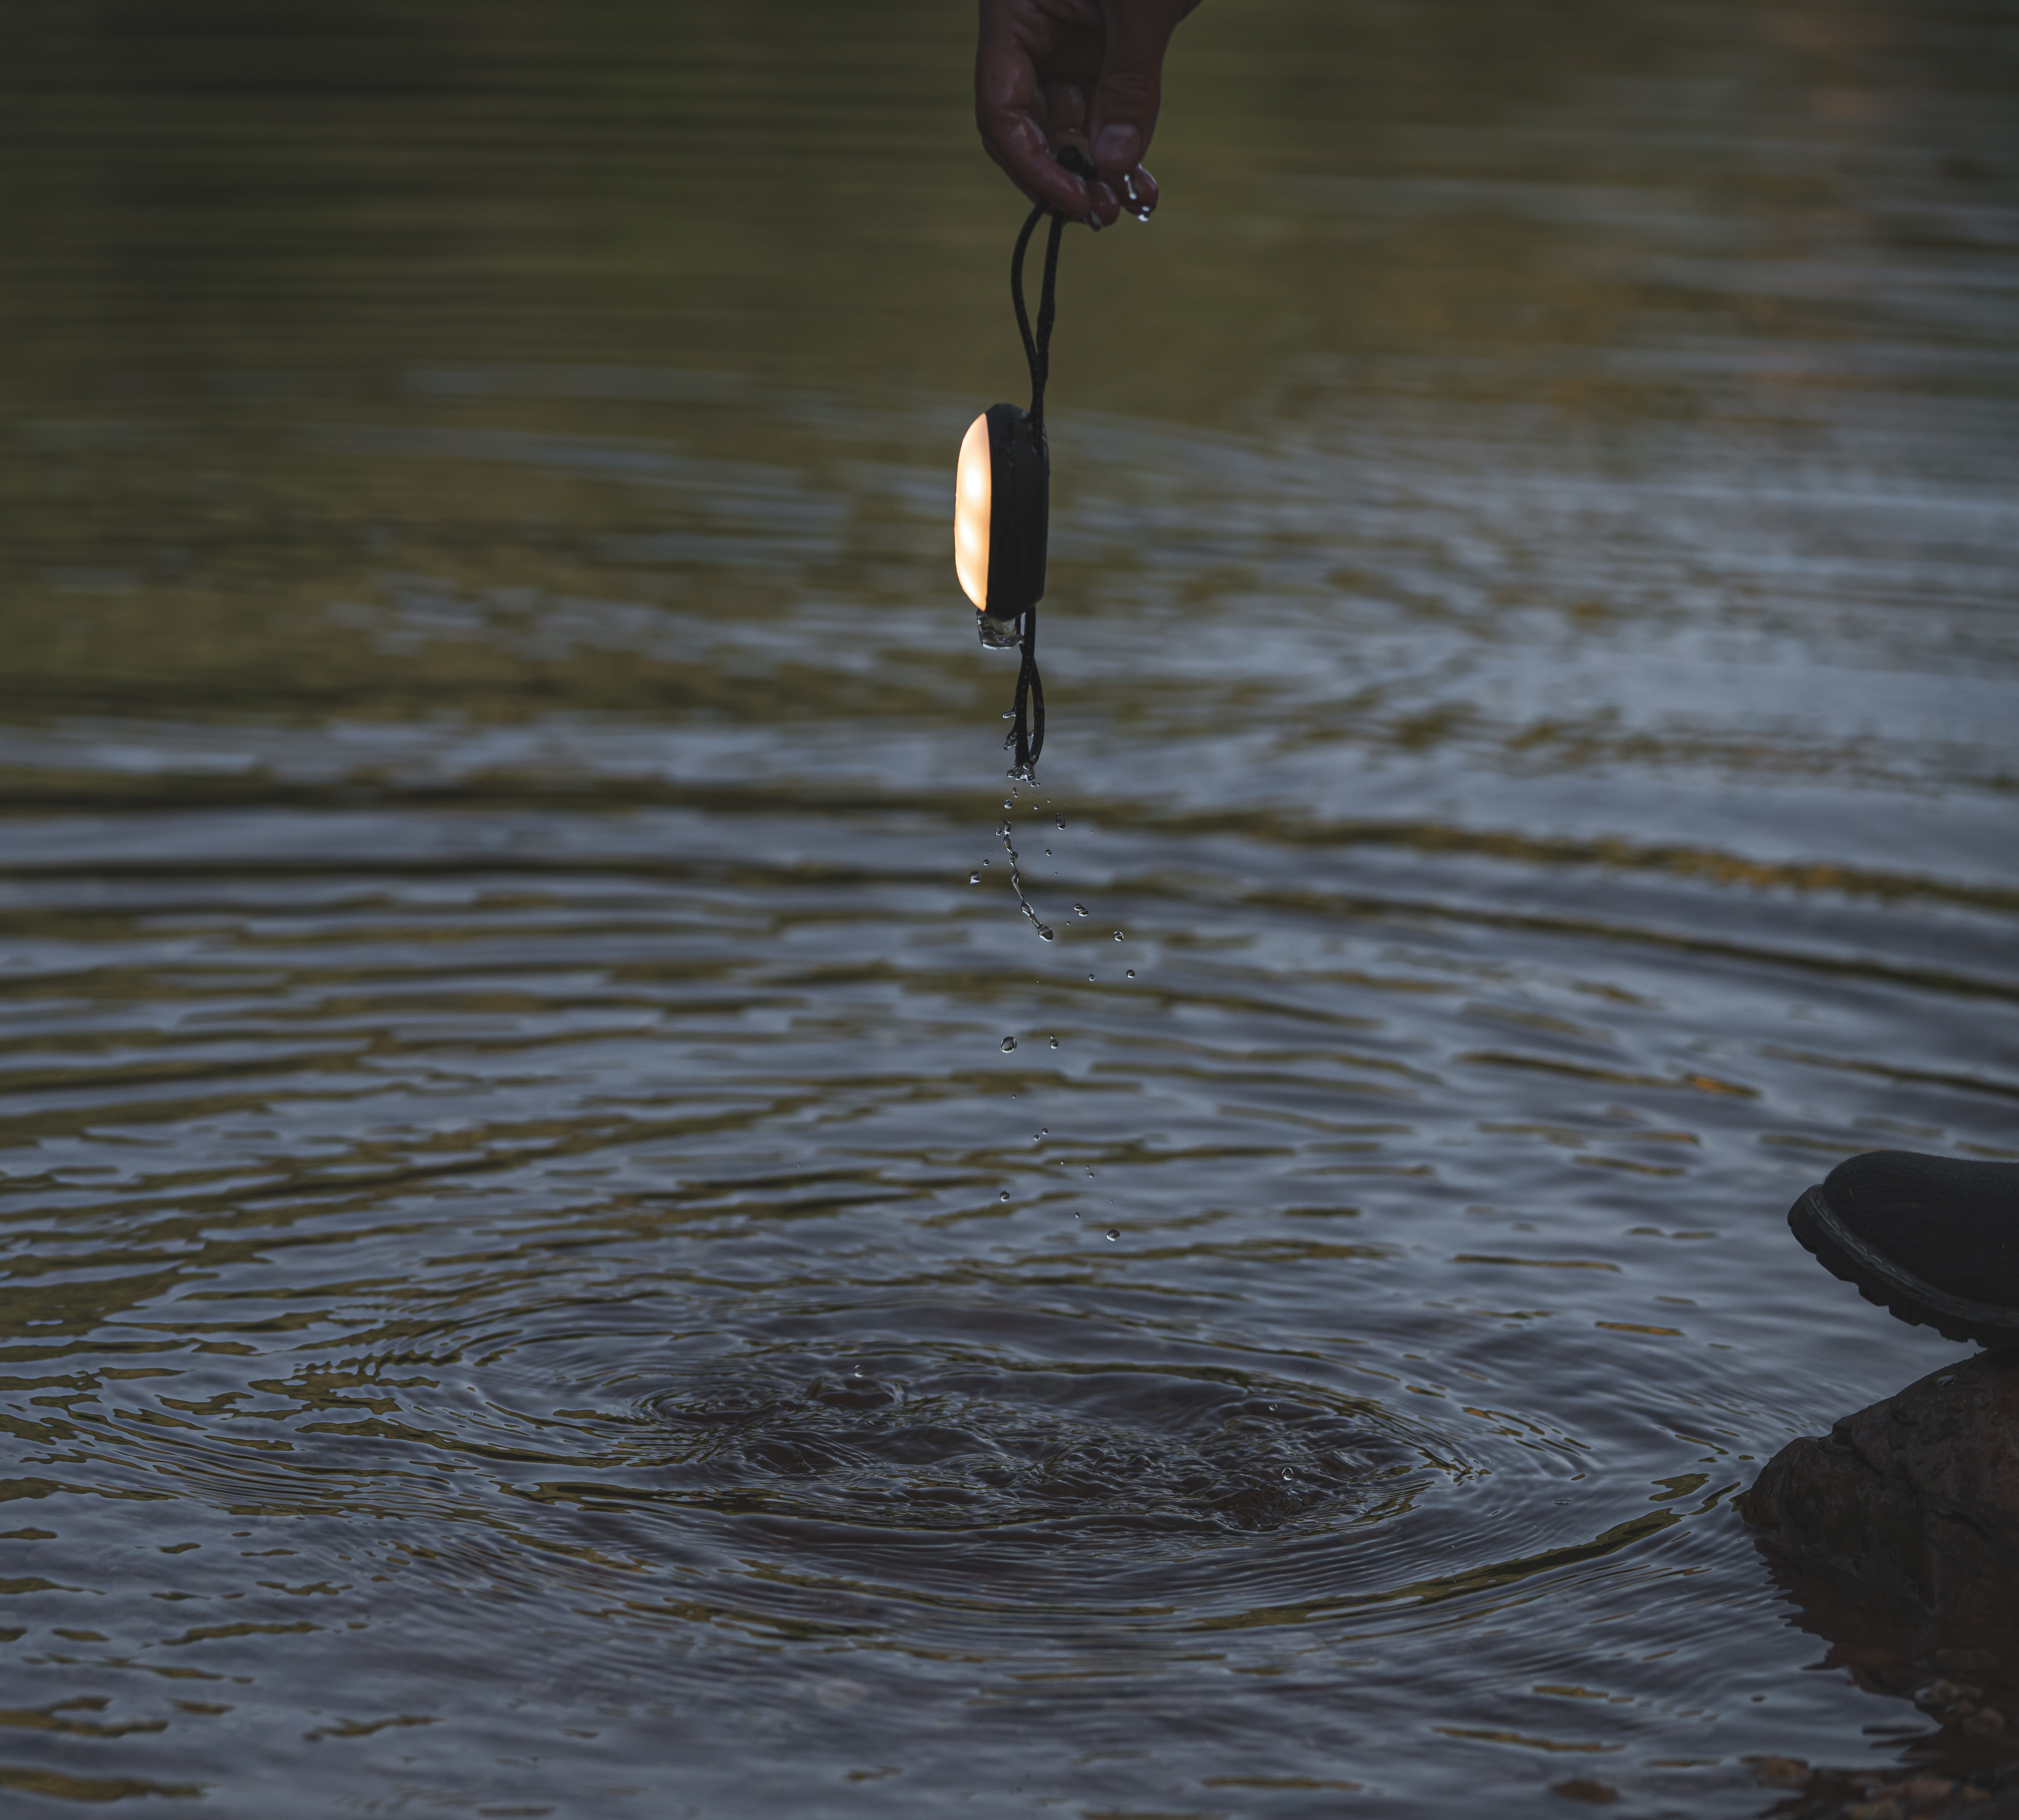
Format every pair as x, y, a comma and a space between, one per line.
1027, 732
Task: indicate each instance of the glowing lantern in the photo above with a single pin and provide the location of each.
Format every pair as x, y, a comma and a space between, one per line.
1002, 507
970, 513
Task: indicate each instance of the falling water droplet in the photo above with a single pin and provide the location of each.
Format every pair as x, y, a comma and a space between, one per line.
1004, 1195
1114, 1233
1008, 714
1055, 1043
1090, 979
1117, 935
856, 1372
1009, 1043
1062, 822
974, 877
1289, 1472
1045, 931
1048, 852
1079, 909
1131, 972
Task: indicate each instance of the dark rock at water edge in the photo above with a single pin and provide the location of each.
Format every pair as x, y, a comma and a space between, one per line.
1896, 1533
1917, 1496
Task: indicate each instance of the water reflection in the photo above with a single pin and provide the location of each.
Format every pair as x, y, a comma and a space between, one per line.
536, 1274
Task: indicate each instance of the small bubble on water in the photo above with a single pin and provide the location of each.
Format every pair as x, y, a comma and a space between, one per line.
974, 877
1009, 1043
1114, 1233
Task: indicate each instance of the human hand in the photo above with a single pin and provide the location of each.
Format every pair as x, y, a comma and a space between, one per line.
1049, 74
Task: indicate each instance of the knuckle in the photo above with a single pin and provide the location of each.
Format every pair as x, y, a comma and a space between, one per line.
1135, 91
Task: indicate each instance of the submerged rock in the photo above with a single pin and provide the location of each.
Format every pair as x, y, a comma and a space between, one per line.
1892, 1794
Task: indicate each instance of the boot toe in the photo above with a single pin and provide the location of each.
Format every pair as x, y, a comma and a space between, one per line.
1949, 1221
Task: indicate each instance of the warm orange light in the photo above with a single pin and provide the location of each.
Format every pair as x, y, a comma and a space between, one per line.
973, 485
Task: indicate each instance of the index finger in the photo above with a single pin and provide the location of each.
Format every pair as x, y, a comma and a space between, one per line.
1008, 105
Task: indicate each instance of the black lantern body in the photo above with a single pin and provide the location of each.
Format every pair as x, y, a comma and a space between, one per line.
1001, 519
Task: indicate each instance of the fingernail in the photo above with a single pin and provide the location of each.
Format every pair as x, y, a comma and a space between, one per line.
1118, 148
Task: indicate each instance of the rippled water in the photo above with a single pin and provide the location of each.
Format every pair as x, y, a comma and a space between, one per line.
537, 1280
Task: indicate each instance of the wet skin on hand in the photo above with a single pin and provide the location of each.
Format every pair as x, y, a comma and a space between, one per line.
1084, 74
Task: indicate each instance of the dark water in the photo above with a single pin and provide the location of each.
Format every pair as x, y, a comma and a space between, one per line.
534, 1285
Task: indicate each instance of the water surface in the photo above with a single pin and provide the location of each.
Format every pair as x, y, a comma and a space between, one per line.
538, 1280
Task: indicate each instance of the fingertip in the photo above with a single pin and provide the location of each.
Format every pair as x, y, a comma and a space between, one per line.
1117, 148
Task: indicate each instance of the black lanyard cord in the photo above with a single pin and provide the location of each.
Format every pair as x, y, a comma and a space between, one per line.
1016, 294
1038, 349
1026, 733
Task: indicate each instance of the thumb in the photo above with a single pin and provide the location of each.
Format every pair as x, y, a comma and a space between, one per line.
1123, 113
